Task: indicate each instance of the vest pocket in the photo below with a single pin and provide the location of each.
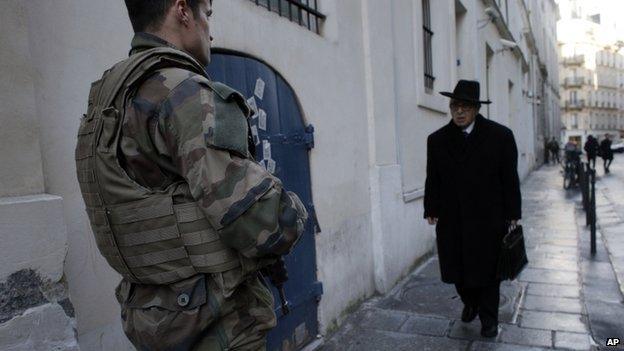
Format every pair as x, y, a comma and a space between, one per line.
165, 317
84, 147
110, 118
86, 138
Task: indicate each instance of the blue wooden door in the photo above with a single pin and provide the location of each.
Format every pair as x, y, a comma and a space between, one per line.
282, 145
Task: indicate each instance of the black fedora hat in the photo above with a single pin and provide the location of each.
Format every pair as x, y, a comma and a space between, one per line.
466, 90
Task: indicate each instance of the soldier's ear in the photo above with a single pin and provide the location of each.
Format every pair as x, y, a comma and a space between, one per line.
183, 12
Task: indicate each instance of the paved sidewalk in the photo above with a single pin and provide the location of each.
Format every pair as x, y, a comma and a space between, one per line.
561, 298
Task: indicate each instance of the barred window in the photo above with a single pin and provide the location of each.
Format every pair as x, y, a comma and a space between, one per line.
427, 42
303, 12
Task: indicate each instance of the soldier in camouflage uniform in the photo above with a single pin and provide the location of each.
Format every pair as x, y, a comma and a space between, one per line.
176, 134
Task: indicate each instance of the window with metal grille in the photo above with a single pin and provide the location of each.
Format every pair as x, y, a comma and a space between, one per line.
303, 12
428, 47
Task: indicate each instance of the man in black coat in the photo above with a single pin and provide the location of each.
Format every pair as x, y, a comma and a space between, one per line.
472, 195
591, 148
606, 153
553, 146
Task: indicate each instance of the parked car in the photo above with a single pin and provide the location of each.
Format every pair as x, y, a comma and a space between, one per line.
619, 147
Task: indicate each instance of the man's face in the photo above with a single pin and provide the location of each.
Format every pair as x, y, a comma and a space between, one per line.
198, 34
463, 113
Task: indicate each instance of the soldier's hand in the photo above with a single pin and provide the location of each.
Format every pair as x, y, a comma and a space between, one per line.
277, 273
432, 220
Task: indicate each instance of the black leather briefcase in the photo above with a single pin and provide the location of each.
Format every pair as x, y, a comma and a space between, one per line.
513, 257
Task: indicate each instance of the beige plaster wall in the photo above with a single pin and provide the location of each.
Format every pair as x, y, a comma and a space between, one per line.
20, 159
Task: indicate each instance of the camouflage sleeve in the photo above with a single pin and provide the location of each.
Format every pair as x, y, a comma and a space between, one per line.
247, 205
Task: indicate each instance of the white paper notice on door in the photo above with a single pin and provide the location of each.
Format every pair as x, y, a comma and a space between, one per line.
259, 90
252, 104
271, 165
262, 120
254, 135
266, 149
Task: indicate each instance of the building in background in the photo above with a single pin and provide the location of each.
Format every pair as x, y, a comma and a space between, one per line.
365, 73
591, 68
541, 34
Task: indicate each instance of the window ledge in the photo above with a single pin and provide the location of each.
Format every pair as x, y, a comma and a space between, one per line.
413, 195
433, 102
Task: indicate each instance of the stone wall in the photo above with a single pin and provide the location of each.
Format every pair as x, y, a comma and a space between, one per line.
35, 310
35, 314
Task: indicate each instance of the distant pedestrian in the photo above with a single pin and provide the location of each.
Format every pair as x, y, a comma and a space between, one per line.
553, 146
546, 151
591, 148
572, 152
606, 153
472, 193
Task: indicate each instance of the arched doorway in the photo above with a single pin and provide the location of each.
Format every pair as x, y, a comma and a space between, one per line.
283, 141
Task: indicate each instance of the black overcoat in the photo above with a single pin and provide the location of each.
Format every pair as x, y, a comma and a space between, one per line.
473, 189
605, 150
591, 147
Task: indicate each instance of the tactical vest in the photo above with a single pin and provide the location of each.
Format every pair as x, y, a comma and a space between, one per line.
148, 236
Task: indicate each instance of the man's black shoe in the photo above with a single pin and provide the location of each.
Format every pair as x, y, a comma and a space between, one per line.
489, 331
469, 314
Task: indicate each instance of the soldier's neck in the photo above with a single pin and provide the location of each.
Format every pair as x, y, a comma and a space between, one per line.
169, 35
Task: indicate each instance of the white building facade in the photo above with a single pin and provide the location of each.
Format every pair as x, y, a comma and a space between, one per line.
367, 77
545, 94
591, 69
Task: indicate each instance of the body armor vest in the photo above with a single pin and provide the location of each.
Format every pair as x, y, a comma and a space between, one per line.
148, 236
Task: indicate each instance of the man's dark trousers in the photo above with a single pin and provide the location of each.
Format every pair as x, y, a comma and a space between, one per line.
555, 156
485, 298
591, 161
607, 164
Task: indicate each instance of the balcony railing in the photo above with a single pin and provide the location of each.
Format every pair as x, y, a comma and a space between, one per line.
574, 81
574, 104
574, 60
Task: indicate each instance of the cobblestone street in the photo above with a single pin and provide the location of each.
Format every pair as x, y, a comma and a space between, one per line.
565, 299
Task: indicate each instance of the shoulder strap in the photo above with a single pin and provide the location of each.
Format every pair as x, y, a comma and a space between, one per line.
130, 71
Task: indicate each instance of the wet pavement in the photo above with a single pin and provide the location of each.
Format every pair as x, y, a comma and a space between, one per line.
566, 299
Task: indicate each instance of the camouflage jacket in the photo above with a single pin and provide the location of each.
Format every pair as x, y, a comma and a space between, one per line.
167, 136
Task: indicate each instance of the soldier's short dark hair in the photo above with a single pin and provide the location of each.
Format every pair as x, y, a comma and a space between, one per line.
150, 14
